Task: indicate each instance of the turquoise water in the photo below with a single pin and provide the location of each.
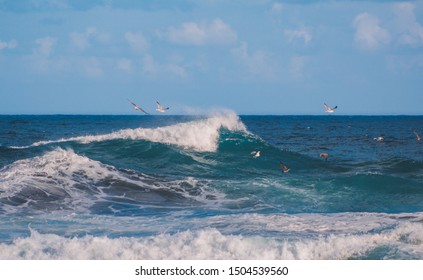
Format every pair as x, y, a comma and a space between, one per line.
185, 187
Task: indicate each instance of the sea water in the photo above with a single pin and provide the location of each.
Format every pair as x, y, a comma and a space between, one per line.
188, 187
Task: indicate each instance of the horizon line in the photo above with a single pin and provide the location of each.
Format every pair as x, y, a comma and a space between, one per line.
169, 115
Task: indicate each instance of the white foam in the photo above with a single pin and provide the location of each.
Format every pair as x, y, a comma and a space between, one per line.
54, 173
71, 177
403, 241
200, 135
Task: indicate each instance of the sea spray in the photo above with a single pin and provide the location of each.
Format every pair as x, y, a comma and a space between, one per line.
200, 135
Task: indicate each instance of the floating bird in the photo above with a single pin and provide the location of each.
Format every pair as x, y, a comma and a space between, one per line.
329, 109
283, 166
255, 154
379, 138
160, 108
417, 136
324, 156
136, 107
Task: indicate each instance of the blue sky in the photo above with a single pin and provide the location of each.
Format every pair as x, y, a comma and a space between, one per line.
250, 56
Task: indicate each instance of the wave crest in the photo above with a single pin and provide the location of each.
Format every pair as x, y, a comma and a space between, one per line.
199, 135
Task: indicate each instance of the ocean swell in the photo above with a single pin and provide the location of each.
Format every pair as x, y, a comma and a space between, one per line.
199, 135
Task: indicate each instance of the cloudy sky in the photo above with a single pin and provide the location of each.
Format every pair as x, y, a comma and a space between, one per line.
250, 56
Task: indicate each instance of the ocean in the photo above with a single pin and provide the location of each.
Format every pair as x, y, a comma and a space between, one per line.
188, 187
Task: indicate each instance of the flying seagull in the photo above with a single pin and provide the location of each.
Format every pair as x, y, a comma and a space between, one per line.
417, 136
283, 166
255, 154
329, 109
160, 108
379, 138
324, 156
136, 107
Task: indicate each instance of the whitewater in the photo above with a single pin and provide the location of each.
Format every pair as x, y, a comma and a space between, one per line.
187, 187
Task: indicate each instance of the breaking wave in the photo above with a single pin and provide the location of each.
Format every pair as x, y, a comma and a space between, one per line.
402, 242
200, 135
64, 180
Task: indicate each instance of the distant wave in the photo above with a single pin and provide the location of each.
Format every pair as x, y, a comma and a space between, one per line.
200, 135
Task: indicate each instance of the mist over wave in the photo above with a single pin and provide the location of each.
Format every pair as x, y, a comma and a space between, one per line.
200, 135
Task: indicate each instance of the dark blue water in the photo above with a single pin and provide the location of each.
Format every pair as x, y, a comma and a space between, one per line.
188, 187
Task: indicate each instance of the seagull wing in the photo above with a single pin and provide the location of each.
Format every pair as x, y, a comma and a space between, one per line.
159, 106
283, 166
327, 108
135, 105
138, 107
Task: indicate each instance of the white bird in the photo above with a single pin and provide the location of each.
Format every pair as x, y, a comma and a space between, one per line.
160, 108
379, 138
255, 154
136, 107
284, 168
417, 136
329, 109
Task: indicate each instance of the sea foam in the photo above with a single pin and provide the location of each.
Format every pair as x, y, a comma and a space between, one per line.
199, 135
404, 241
79, 182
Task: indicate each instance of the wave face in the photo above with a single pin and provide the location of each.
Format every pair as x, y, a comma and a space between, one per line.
200, 135
154, 181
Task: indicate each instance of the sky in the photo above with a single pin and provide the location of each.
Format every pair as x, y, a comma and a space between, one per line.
249, 56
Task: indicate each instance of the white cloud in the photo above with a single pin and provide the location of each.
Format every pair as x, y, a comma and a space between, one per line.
151, 67
125, 65
298, 34
8, 45
257, 63
369, 35
83, 40
44, 46
276, 8
410, 31
40, 59
192, 33
137, 41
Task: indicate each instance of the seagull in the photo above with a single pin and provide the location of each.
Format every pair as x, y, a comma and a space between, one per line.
417, 136
283, 166
329, 109
255, 154
324, 156
136, 107
160, 108
379, 138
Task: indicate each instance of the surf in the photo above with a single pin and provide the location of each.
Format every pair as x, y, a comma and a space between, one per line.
62, 180
251, 236
199, 135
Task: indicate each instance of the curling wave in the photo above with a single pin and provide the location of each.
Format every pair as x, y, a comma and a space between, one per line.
200, 135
